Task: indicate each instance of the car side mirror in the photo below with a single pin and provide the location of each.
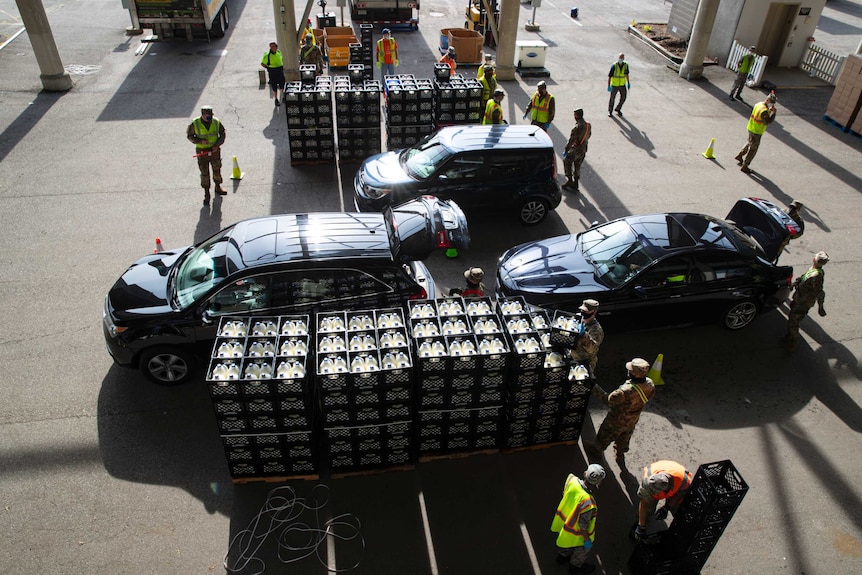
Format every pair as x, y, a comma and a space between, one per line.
442, 177
206, 318
640, 292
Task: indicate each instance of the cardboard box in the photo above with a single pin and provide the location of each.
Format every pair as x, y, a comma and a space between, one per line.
467, 44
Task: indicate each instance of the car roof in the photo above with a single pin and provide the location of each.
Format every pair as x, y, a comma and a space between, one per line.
498, 136
311, 236
679, 230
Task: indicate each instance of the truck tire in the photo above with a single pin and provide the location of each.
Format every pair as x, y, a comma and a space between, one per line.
167, 365
221, 23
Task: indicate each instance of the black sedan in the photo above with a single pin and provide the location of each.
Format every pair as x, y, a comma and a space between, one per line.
660, 269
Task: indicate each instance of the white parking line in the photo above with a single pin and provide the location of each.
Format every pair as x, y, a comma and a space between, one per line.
432, 557
530, 551
12, 37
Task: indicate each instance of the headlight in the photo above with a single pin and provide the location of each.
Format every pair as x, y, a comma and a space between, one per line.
113, 329
375, 193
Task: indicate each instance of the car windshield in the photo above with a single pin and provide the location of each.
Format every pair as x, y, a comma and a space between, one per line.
203, 268
616, 252
424, 158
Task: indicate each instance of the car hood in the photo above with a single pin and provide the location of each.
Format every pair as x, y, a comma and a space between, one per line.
142, 289
551, 266
385, 171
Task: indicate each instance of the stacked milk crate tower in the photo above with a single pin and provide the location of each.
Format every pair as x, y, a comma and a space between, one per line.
364, 388
362, 53
461, 360
308, 106
357, 114
409, 110
458, 99
262, 397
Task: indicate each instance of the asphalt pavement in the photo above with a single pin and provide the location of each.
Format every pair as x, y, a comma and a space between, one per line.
104, 473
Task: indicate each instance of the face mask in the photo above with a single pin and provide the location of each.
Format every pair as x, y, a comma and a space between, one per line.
620, 61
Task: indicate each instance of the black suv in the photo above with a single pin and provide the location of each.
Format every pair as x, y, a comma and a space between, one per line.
481, 167
164, 310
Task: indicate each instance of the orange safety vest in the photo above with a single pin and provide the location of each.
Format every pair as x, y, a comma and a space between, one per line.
491, 107
451, 62
575, 502
385, 50
680, 478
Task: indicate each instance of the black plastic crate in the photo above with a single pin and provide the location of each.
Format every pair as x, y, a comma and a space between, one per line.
224, 389
224, 370
463, 353
565, 328
232, 424
229, 406
229, 348
493, 353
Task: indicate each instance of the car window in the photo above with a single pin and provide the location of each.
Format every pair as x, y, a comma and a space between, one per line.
615, 251
241, 296
505, 167
721, 266
672, 272
464, 167
424, 159
205, 267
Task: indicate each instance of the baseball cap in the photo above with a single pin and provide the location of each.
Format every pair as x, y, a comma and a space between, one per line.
499, 91
589, 306
771, 97
579, 111
653, 485
594, 474
796, 204
542, 84
474, 274
821, 257
386, 31
206, 108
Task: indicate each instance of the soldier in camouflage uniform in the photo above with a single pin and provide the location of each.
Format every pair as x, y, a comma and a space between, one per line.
626, 403
587, 349
809, 290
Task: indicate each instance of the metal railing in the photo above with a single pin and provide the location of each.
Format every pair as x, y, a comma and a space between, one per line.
755, 75
822, 63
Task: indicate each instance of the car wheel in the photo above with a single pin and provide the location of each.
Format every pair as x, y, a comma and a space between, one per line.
167, 366
533, 211
739, 315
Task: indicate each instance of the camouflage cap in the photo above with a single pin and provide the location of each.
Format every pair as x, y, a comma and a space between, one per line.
796, 204
638, 367
821, 257
589, 306
654, 484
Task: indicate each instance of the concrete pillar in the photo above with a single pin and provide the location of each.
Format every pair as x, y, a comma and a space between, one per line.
286, 34
692, 66
509, 10
54, 77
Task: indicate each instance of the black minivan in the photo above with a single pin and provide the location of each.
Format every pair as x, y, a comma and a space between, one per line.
164, 310
482, 167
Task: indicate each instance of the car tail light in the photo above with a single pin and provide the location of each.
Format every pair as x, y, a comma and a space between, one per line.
421, 295
792, 228
443, 239
554, 168
790, 279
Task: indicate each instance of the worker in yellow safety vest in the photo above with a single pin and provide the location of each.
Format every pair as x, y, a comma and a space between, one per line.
493, 109
541, 107
666, 480
488, 66
575, 519
618, 83
489, 83
387, 54
762, 115
309, 30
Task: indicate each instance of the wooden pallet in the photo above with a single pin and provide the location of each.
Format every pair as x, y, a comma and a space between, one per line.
456, 455
538, 446
372, 471
276, 479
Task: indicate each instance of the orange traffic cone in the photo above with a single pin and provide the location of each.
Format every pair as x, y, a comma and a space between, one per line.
236, 174
655, 371
159, 247
708, 154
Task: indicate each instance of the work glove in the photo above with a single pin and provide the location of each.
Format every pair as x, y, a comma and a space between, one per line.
582, 329
609, 88
396, 63
661, 514
524, 117
821, 312
547, 125
588, 544
565, 153
325, 58
639, 533
378, 63
629, 85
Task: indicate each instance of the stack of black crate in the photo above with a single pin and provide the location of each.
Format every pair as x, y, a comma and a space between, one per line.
363, 51
364, 387
458, 100
460, 375
357, 113
409, 110
543, 404
262, 397
715, 493
308, 106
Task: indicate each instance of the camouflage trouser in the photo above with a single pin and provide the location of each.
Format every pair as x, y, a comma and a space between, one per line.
612, 430
738, 83
796, 315
576, 555
204, 162
747, 153
572, 165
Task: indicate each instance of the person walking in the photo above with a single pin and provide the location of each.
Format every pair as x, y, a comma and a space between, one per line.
762, 115
541, 107
309, 30
576, 150
587, 349
618, 83
745, 65
808, 291
311, 55
207, 133
489, 83
449, 59
792, 211
274, 65
666, 481
626, 403
575, 519
387, 54
493, 109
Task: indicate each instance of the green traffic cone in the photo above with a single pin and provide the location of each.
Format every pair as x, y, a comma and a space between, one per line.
451, 253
